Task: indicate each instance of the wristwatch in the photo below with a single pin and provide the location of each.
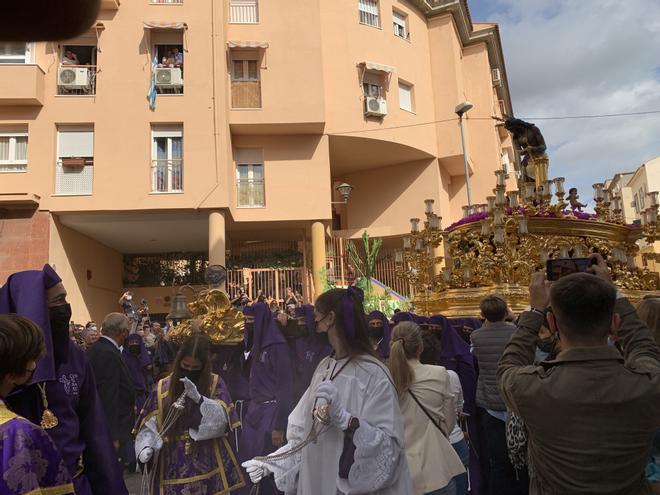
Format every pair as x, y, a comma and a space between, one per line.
353, 424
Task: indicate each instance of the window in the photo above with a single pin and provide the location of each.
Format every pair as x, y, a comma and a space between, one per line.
13, 151
369, 12
167, 159
14, 53
250, 186
406, 96
243, 11
168, 73
372, 85
178, 2
636, 204
74, 172
642, 198
400, 24
245, 80
77, 72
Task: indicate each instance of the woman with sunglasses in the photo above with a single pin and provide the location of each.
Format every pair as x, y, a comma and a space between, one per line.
348, 420
29, 459
194, 455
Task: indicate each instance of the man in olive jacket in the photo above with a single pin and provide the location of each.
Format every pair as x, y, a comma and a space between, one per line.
591, 414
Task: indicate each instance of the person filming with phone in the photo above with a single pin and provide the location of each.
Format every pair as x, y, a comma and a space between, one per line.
591, 414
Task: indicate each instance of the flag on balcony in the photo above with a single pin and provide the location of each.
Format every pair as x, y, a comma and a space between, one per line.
151, 95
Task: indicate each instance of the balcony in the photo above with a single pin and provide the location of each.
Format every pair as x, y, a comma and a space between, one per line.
250, 193
167, 176
245, 94
74, 176
76, 80
21, 84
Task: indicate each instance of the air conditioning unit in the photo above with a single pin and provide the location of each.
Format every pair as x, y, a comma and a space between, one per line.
73, 77
375, 106
497, 77
169, 77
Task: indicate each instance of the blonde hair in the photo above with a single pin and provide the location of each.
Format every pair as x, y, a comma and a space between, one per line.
648, 310
405, 342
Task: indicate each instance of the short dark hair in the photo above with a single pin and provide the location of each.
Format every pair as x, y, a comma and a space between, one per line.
570, 191
493, 308
583, 305
21, 341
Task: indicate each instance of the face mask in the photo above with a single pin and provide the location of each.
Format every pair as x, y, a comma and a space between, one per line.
134, 349
323, 337
129, 298
546, 345
59, 317
376, 333
192, 375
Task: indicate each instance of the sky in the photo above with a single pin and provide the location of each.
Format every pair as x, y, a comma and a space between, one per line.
583, 57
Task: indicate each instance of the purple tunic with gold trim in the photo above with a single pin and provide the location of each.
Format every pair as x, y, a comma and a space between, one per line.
187, 467
31, 463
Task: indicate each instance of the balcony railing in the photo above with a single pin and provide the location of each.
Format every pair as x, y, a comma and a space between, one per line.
76, 80
179, 2
245, 12
74, 180
167, 175
246, 94
251, 193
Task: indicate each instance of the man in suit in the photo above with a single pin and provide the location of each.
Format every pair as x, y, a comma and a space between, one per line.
113, 380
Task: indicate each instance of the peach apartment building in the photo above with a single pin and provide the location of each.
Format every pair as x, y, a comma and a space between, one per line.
261, 109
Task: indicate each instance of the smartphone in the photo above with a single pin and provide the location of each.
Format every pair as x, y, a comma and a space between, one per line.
560, 267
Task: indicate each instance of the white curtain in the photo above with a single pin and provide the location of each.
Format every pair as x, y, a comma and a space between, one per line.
4, 148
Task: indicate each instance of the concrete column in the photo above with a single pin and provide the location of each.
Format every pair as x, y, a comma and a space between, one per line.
217, 238
318, 256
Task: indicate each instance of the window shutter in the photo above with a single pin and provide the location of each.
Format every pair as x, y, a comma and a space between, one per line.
405, 96
79, 143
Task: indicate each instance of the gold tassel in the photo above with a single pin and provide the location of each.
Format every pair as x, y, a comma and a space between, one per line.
48, 418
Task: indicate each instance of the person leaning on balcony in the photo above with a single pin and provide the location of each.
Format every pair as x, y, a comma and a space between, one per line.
429, 413
590, 414
70, 58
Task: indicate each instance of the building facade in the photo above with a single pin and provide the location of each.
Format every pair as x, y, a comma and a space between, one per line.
634, 188
221, 127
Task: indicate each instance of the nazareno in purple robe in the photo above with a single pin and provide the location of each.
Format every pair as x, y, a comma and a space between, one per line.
82, 435
270, 390
455, 355
138, 367
384, 345
212, 462
29, 459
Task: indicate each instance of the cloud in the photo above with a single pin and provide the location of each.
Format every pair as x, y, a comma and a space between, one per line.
584, 57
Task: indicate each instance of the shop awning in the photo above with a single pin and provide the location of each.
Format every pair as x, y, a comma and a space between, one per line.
378, 67
247, 44
164, 25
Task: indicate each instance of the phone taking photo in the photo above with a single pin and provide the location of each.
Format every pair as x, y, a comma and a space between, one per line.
556, 269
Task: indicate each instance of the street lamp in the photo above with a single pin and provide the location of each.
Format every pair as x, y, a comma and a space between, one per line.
461, 109
345, 191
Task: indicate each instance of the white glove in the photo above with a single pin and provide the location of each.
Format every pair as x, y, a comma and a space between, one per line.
191, 390
146, 455
256, 470
327, 392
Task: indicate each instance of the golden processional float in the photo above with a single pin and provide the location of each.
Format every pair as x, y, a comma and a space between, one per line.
211, 312
496, 246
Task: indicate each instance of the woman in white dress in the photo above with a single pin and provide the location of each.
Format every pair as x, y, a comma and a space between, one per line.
429, 411
360, 445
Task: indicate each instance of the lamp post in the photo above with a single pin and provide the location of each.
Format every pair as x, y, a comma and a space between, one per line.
461, 109
345, 191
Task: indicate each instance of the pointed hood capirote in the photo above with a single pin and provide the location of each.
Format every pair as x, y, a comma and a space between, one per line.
24, 293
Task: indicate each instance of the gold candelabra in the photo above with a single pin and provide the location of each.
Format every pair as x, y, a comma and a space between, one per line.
498, 244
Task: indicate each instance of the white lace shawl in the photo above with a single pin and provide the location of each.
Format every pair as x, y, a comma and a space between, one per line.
380, 465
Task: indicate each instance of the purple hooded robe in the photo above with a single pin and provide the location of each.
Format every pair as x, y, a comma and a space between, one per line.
270, 390
138, 366
82, 435
384, 345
